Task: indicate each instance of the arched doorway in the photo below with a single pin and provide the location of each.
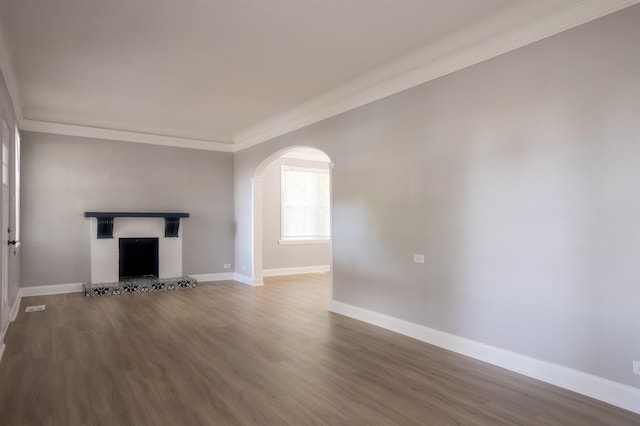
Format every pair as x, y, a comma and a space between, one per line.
298, 153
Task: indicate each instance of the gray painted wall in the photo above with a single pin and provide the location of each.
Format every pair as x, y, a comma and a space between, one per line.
517, 178
274, 255
65, 176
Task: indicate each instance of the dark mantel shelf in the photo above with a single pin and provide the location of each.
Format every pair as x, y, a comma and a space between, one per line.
105, 221
133, 214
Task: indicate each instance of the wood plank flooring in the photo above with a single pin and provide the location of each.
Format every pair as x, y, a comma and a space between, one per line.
229, 354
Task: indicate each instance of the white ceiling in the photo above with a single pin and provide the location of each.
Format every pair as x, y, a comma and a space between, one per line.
224, 71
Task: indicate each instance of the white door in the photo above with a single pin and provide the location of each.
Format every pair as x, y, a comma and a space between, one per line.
4, 231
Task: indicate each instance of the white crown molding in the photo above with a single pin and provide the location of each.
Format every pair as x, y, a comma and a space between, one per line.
123, 136
515, 27
614, 393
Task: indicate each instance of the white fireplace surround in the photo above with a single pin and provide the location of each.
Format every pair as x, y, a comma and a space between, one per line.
105, 251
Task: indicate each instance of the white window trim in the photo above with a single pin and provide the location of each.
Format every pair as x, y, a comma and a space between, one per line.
294, 241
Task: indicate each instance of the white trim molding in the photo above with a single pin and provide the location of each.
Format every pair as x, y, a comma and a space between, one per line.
46, 290
614, 393
296, 270
303, 241
13, 314
255, 282
123, 136
509, 29
3, 332
224, 276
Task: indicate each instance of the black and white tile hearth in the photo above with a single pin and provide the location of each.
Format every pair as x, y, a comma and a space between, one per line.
138, 285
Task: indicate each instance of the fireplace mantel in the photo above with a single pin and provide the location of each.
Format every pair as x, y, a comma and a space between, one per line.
105, 221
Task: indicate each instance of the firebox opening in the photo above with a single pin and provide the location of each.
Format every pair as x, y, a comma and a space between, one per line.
138, 257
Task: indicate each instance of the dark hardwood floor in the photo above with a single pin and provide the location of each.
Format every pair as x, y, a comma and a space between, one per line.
226, 354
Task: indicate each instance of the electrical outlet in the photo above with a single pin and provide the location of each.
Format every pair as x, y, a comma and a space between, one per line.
418, 258
227, 266
636, 367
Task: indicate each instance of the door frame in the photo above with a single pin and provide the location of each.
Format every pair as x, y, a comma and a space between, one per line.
4, 225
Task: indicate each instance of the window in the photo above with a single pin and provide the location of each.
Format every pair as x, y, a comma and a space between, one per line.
305, 204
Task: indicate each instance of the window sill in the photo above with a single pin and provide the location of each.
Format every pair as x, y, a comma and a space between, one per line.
303, 241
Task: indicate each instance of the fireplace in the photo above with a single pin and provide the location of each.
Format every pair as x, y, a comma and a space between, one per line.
138, 257
107, 229
135, 252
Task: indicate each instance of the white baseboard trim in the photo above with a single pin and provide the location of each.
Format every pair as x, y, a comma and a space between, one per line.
46, 290
248, 280
611, 392
13, 314
213, 277
3, 332
296, 270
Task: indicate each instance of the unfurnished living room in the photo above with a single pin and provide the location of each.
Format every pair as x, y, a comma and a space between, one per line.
331, 212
